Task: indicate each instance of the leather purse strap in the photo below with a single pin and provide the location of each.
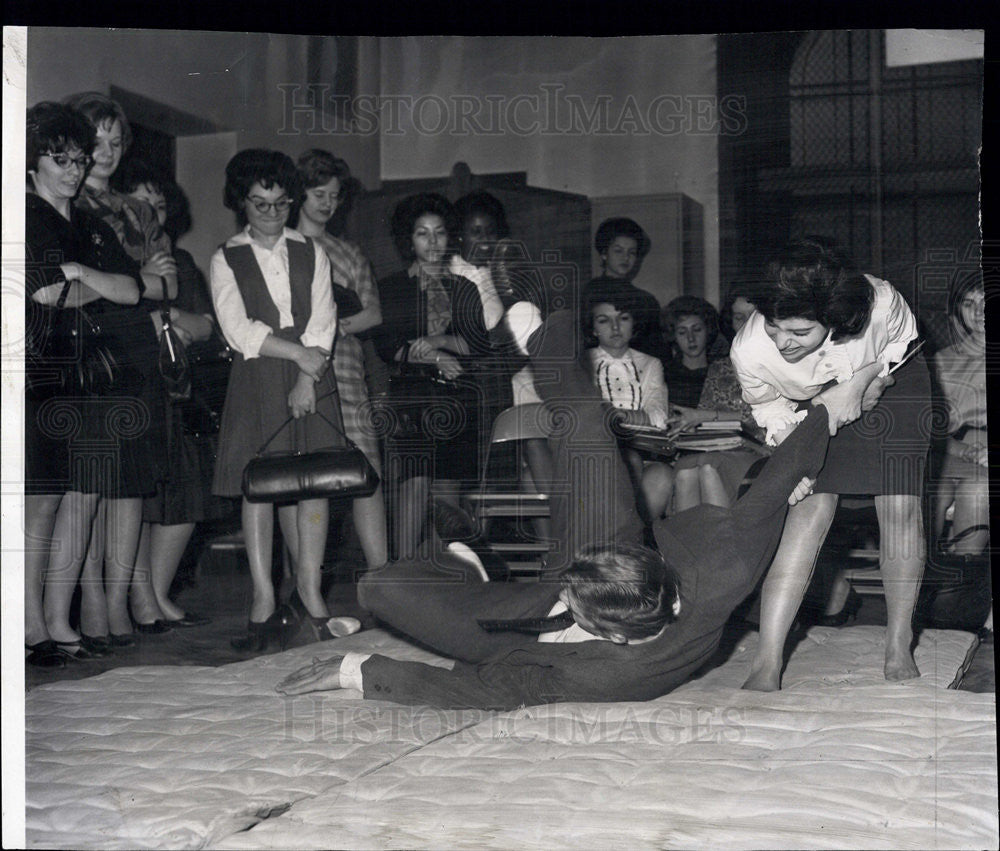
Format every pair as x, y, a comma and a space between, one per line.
339, 429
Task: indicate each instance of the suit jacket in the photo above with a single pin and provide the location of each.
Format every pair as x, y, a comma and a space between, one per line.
719, 555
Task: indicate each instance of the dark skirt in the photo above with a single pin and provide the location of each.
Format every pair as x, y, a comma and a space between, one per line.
49, 423
885, 451
256, 406
185, 495
122, 450
455, 428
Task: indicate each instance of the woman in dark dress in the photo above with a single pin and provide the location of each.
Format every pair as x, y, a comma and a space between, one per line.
274, 302
116, 540
431, 316
184, 496
693, 326
62, 245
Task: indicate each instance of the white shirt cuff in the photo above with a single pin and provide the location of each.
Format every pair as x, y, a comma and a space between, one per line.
350, 670
776, 424
254, 339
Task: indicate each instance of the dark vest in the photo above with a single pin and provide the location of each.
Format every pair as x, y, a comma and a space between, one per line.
257, 300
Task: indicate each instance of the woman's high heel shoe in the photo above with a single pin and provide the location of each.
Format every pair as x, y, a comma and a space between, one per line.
848, 612
323, 627
279, 627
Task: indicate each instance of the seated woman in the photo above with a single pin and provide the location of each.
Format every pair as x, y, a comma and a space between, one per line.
631, 381
715, 477
622, 245
738, 306
961, 473
671, 627
820, 322
693, 326
432, 317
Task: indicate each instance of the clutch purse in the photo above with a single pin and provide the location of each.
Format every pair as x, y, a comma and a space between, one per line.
290, 477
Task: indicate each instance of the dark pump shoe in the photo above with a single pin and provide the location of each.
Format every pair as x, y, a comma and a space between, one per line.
278, 628
44, 654
157, 627
190, 619
848, 612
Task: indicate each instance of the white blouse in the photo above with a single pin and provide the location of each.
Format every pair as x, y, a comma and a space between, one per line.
773, 387
633, 382
246, 335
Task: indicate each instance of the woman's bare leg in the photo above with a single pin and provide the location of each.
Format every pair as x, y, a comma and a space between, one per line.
687, 489
70, 538
93, 603
39, 525
805, 530
142, 598
713, 491
312, 522
657, 488
124, 524
167, 545
901, 560
411, 513
258, 532
369, 521
836, 599
541, 468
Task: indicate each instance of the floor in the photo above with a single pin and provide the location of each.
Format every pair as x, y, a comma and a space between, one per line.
220, 587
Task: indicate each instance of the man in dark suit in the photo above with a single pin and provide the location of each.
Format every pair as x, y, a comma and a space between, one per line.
717, 555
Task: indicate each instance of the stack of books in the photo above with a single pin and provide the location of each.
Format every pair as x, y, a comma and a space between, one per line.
714, 436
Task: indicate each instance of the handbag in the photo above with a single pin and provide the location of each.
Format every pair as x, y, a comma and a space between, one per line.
956, 591
423, 402
173, 362
292, 476
210, 362
348, 302
68, 354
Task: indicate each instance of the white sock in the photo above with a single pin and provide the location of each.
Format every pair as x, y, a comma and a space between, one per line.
523, 319
457, 548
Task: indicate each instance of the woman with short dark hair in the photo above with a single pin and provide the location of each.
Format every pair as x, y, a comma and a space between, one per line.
274, 302
431, 316
66, 250
822, 331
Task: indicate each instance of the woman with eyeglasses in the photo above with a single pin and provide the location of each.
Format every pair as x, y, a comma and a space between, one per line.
119, 597
274, 302
62, 244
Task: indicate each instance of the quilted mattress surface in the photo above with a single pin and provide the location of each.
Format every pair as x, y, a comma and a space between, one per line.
182, 757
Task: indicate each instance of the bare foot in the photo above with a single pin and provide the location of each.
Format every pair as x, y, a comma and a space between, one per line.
763, 680
899, 665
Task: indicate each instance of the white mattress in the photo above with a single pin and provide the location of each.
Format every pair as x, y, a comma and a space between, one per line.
194, 757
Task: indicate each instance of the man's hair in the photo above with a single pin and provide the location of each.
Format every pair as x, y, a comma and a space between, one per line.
811, 279
55, 128
623, 588
609, 229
